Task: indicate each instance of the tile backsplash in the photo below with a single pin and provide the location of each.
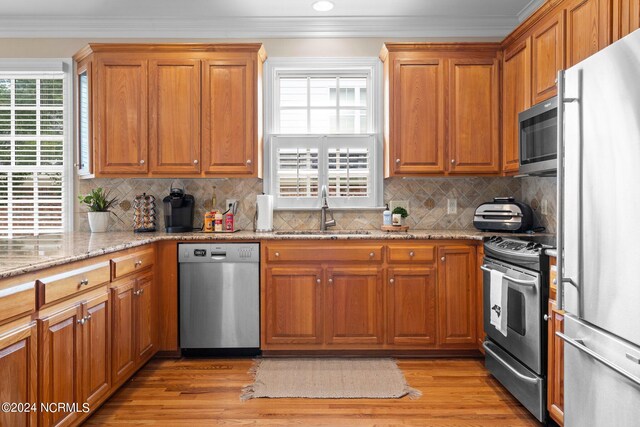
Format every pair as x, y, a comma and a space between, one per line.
427, 201
538, 191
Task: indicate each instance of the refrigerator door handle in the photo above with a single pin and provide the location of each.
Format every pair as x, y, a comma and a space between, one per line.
560, 195
578, 344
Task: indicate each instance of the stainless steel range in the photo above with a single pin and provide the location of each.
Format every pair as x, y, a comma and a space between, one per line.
515, 350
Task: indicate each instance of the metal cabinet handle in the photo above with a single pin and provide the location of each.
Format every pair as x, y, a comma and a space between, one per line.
392, 280
84, 282
195, 162
142, 162
411, 254
580, 346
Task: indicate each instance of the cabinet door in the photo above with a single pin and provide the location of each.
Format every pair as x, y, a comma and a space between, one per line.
547, 44
174, 119
229, 115
417, 121
555, 365
516, 97
292, 306
626, 18
411, 302
84, 120
474, 133
18, 360
584, 29
123, 355
60, 369
354, 311
122, 116
144, 317
456, 296
96, 378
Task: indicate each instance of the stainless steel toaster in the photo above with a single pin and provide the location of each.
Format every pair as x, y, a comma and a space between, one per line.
503, 214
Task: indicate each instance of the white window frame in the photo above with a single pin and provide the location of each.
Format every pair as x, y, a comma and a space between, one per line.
275, 68
39, 66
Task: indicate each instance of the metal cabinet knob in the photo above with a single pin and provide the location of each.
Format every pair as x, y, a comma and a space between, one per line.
195, 162
411, 254
249, 161
137, 293
88, 316
392, 280
317, 280
555, 281
453, 161
371, 254
81, 321
277, 254
330, 281
142, 162
442, 259
397, 160
138, 263
546, 317
84, 282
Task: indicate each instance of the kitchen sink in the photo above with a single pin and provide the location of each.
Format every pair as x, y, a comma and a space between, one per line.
321, 233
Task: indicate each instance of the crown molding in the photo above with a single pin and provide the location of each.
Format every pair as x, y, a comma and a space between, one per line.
528, 10
267, 27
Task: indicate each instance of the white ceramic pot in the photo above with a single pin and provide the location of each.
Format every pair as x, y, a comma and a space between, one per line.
396, 219
99, 221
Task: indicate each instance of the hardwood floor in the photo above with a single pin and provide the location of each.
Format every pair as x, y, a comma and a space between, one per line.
205, 392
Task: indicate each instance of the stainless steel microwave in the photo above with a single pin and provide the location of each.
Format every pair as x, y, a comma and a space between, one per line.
538, 129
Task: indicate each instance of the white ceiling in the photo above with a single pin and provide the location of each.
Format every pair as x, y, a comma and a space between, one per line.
267, 18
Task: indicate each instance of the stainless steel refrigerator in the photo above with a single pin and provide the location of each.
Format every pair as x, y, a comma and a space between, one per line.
598, 238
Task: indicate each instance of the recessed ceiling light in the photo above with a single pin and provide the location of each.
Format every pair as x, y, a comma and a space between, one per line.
322, 6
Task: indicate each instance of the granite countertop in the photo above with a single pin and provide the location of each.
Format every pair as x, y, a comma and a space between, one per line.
26, 254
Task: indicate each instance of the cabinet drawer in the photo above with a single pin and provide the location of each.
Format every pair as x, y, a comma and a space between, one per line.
411, 253
135, 261
67, 283
17, 299
329, 253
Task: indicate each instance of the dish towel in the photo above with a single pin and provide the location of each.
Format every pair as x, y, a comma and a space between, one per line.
498, 301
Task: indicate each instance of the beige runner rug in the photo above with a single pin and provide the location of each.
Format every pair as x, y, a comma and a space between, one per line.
328, 378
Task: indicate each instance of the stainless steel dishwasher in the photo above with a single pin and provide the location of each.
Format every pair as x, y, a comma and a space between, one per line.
219, 298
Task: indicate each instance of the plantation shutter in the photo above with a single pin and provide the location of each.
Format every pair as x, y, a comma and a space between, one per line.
32, 154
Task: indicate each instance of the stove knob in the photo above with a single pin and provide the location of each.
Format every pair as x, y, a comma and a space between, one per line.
499, 239
538, 246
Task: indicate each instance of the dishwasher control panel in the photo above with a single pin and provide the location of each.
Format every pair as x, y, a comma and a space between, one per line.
213, 252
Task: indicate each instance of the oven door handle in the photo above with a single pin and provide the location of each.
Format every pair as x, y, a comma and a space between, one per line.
506, 365
527, 283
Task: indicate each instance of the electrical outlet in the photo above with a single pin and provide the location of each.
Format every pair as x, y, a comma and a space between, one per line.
544, 207
399, 204
229, 202
452, 206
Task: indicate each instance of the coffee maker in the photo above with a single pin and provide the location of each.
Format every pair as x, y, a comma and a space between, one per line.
178, 211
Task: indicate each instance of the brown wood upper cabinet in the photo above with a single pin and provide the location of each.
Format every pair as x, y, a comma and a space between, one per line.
184, 110
626, 18
547, 42
587, 28
422, 135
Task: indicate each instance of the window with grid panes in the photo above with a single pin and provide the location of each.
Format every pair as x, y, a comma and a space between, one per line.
32, 138
324, 133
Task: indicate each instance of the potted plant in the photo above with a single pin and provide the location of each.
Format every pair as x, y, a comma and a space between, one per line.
398, 215
99, 204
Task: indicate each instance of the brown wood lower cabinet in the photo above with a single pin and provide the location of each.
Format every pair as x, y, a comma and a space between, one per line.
96, 357
411, 302
555, 368
400, 298
354, 312
457, 296
18, 359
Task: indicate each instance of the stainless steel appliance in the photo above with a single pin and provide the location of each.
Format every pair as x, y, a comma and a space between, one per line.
538, 128
503, 214
518, 360
219, 298
598, 249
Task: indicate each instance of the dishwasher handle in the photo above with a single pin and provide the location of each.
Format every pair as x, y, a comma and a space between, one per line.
218, 255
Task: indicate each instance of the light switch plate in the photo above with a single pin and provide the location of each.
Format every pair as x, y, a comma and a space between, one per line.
452, 206
399, 204
544, 207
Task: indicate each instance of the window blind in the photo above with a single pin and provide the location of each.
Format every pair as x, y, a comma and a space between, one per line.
32, 154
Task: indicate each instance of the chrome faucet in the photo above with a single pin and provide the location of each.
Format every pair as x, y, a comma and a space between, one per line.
323, 213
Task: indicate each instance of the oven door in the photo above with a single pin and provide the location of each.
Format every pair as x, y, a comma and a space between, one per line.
524, 313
